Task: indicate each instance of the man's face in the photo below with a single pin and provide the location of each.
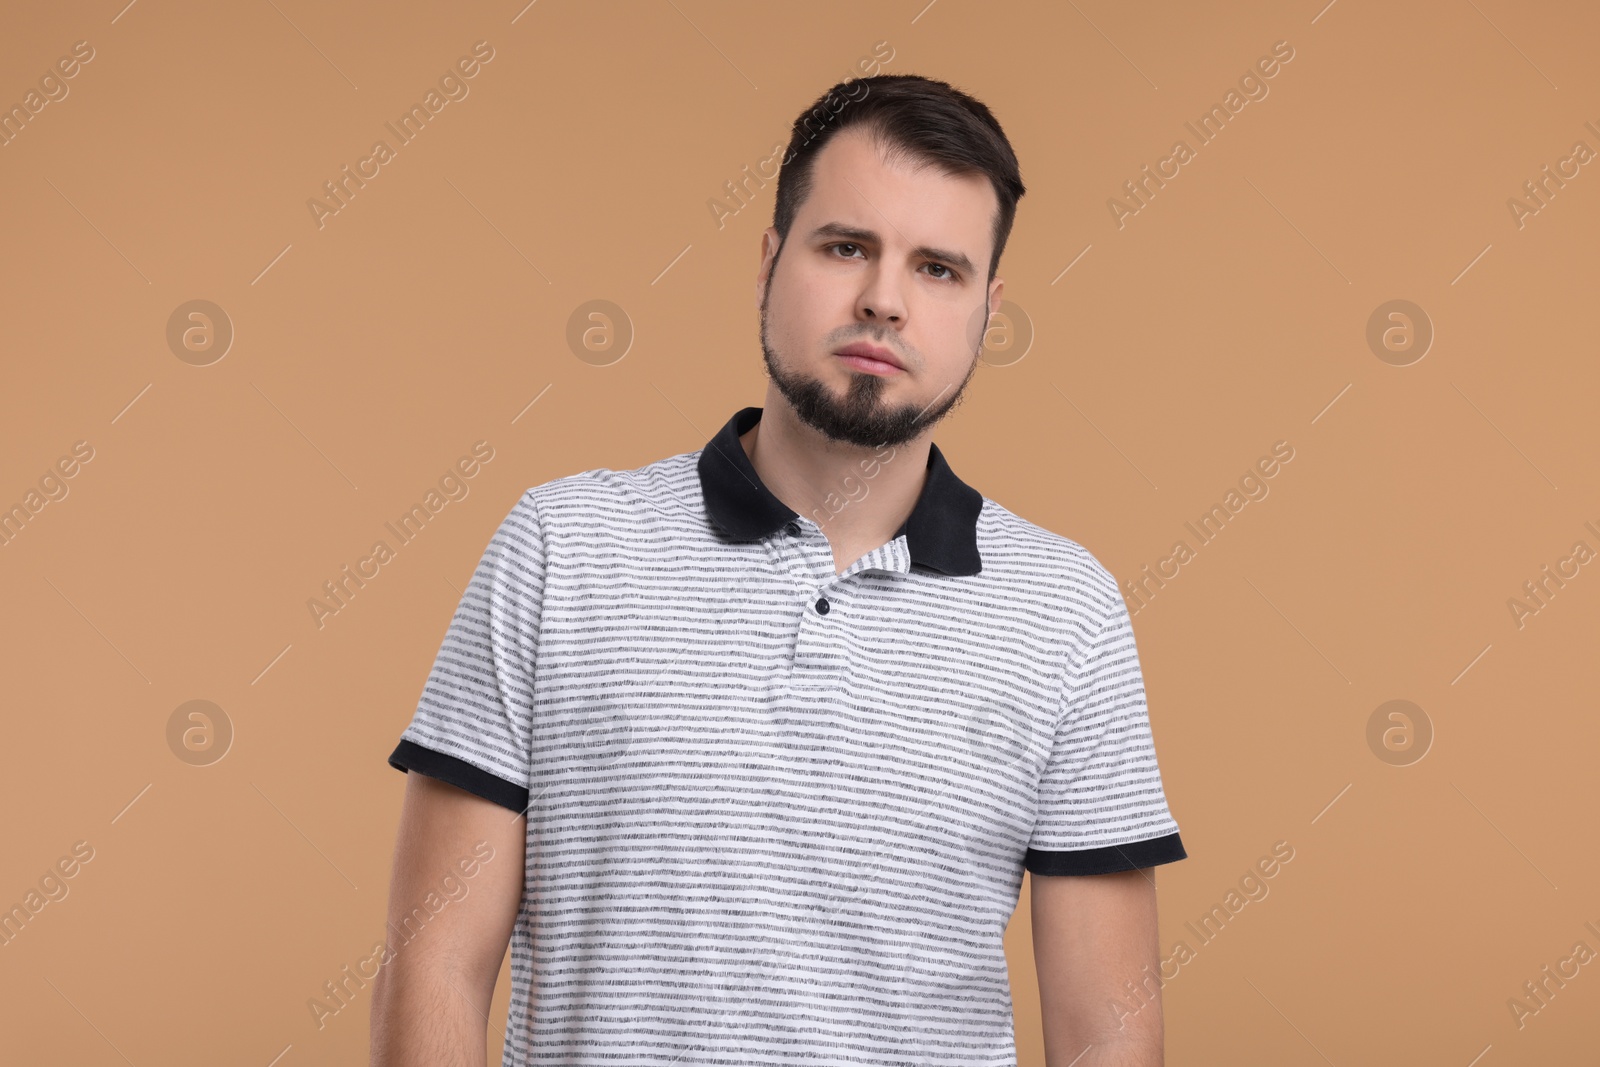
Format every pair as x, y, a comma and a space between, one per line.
889, 256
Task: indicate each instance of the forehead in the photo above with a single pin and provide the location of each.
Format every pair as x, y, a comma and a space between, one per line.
858, 181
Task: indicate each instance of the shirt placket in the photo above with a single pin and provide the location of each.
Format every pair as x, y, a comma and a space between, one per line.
819, 651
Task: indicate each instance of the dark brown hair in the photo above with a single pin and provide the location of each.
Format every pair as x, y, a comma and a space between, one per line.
913, 117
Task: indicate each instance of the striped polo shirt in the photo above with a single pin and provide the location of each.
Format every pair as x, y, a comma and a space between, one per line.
776, 813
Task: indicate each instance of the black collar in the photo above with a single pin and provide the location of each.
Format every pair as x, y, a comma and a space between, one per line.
941, 532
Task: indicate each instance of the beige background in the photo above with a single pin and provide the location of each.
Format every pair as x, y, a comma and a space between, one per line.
431, 312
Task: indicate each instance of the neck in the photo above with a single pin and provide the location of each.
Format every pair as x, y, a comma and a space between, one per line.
859, 496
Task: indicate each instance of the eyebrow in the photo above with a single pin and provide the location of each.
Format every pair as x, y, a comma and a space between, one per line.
863, 236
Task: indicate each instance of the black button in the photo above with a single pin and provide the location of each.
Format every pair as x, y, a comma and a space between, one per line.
793, 528
822, 605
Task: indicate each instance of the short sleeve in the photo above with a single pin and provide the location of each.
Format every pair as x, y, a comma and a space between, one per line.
472, 723
1102, 807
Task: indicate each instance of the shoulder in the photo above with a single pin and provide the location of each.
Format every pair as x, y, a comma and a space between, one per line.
594, 499
1020, 550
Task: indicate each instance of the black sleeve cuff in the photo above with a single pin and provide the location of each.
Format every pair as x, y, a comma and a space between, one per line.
409, 756
1107, 859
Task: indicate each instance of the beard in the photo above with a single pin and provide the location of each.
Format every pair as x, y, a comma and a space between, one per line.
860, 417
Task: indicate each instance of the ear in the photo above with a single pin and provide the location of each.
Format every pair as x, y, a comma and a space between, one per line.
770, 243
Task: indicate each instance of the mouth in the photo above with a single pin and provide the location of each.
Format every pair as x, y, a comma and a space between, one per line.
871, 359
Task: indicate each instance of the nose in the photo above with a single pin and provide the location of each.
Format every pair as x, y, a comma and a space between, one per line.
881, 300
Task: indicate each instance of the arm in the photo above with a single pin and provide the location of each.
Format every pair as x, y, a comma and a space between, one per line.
430, 1001
1091, 934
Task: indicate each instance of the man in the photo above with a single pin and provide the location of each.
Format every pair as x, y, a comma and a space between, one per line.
763, 736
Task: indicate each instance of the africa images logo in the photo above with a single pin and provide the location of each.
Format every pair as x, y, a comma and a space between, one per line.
1252, 84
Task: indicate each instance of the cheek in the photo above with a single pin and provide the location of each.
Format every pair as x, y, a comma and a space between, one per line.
964, 329
948, 344
804, 310
788, 306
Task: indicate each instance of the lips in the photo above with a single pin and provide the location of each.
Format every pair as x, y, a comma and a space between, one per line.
861, 348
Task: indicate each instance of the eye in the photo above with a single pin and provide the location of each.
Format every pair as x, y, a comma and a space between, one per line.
948, 274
